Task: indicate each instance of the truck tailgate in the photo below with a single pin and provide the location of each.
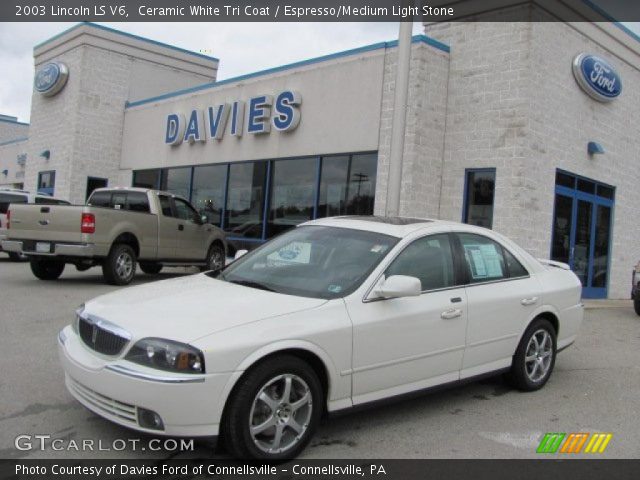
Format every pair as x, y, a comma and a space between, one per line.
53, 223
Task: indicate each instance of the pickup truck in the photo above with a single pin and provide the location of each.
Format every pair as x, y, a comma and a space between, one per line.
117, 228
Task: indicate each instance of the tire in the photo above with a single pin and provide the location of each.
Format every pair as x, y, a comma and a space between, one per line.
150, 268
215, 258
119, 267
636, 303
46, 269
295, 425
17, 257
533, 374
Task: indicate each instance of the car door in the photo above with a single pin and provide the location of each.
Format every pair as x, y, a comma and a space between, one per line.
501, 296
404, 344
193, 234
167, 229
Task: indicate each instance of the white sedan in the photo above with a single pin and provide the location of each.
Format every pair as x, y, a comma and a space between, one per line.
335, 313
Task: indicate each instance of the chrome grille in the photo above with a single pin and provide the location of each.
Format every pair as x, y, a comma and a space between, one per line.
102, 336
102, 403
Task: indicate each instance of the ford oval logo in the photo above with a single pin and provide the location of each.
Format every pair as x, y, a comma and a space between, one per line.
597, 77
51, 78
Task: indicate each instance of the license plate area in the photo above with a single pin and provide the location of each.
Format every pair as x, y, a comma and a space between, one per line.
43, 247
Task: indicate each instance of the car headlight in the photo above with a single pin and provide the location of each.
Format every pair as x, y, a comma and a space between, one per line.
167, 355
76, 321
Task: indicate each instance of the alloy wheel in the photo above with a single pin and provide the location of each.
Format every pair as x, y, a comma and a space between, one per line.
538, 355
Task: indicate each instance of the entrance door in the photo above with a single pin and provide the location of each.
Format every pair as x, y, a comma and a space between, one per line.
582, 230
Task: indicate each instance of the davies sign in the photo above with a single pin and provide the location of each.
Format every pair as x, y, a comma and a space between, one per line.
256, 116
597, 77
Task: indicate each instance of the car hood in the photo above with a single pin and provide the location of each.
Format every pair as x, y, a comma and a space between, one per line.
185, 309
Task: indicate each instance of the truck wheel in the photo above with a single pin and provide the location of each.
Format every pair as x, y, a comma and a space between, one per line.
215, 258
17, 257
150, 268
46, 269
119, 267
636, 303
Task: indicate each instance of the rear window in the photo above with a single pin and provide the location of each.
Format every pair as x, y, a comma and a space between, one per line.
138, 202
121, 200
100, 199
7, 199
50, 201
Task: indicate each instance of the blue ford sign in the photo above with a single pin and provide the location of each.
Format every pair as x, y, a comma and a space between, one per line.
597, 77
51, 78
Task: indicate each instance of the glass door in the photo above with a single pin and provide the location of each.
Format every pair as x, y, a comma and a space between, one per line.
581, 231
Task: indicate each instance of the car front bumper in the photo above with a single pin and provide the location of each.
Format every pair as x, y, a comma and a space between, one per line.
189, 405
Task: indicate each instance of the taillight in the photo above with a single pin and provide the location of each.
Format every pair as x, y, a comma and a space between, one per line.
8, 219
88, 223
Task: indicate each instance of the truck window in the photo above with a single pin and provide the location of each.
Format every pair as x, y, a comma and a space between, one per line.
100, 199
185, 211
165, 204
138, 202
119, 200
7, 198
50, 201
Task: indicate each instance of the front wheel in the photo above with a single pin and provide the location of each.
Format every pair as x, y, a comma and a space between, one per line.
46, 269
119, 267
215, 258
274, 411
636, 303
535, 357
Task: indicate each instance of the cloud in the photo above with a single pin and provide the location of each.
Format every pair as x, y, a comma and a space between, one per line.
241, 47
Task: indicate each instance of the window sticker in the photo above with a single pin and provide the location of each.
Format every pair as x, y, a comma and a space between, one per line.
484, 260
295, 252
335, 288
379, 248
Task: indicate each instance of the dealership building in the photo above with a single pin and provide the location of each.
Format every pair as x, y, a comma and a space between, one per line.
529, 128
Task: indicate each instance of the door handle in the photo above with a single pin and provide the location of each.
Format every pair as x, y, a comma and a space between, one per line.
451, 313
181, 227
529, 301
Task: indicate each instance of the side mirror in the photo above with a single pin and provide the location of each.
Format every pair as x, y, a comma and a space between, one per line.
240, 253
204, 220
397, 286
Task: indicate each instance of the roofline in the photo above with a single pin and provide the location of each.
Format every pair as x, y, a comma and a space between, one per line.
354, 51
125, 34
15, 140
14, 122
608, 16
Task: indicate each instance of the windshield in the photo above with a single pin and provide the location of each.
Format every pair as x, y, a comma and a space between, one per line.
313, 261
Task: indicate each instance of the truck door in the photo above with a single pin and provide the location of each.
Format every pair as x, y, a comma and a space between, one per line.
167, 230
192, 234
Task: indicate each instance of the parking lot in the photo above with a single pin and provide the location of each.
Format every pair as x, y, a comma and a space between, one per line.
595, 388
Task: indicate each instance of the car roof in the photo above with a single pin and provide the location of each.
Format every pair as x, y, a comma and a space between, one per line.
395, 226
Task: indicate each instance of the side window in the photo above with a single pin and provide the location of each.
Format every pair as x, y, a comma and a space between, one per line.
484, 258
184, 211
514, 267
137, 202
6, 199
100, 199
165, 205
428, 259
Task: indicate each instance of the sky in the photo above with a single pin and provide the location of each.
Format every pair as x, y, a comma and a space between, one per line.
241, 47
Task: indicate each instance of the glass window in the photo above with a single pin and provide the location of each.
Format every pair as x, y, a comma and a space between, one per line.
361, 187
484, 258
245, 200
560, 247
601, 246
514, 267
100, 199
165, 205
478, 209
177, 181
147, 178
428, 259
333, 186
565, 180
606, 192
6, 199
50, 201
208, 191
138, 202
184, 211
292, 194
119, 200
312, 261
47, 182
586, 186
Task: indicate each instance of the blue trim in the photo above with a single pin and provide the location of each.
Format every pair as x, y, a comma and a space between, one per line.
246, 239
609, 17
311, 61
17, 140
267, 194
129, 35
316, 197
13, 122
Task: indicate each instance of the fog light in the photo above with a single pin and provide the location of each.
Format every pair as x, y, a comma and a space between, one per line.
149, 419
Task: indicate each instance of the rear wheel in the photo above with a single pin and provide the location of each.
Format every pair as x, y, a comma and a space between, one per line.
636, 303
215, 258
535, 357
150, 268
119, 267
46, 269
274, 411
17, 257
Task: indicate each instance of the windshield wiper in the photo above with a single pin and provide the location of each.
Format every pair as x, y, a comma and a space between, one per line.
252, 284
